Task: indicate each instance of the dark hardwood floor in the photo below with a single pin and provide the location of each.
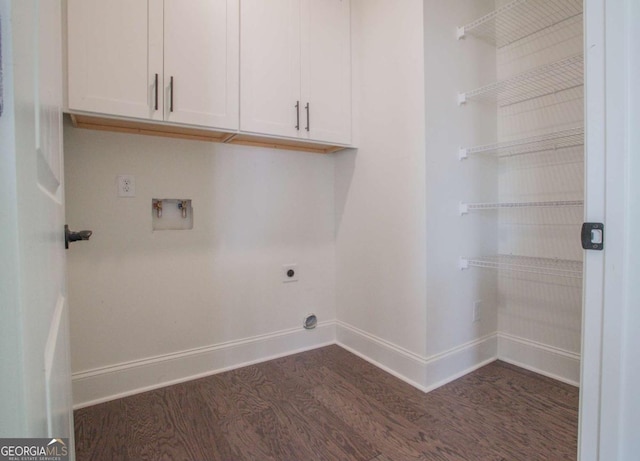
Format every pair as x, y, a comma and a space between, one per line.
328, 404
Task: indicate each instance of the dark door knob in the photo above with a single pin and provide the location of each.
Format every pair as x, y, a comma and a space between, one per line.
70, 236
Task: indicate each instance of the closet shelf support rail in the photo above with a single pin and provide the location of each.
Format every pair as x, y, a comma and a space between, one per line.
573, 137
542, 266
467, 207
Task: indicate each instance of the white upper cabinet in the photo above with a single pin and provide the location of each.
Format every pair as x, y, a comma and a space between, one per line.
280, 68
165, 60
108, 57
326, 69
296, 69
269, 66
201, 54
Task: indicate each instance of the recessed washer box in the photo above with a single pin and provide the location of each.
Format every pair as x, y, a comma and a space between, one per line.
171, 214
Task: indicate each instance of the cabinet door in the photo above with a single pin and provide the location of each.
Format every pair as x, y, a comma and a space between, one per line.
270, 66
108, 57
201, 54
326, 69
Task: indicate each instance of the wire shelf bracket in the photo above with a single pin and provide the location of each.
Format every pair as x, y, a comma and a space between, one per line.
542, 81
520, 19
573, 137
542, 266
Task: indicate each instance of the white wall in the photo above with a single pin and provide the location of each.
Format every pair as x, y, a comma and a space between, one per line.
148, 307
453, 66
402, 302
380, 205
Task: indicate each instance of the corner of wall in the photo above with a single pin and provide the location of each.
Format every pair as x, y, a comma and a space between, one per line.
424, 373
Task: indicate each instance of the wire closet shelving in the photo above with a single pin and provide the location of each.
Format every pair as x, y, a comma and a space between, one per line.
505, 26
520, 19
563, 139
542, 81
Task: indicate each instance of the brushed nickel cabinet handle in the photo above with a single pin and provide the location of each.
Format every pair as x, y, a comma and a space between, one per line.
156, 92
171, 94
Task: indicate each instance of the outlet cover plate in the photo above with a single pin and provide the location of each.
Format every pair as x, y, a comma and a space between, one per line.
477, 311
126, 185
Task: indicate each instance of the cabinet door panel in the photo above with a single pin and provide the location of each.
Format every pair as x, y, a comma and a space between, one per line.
201, 40
108, 57
270, 66
326, 68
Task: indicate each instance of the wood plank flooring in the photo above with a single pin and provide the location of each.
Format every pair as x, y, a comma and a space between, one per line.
328, 404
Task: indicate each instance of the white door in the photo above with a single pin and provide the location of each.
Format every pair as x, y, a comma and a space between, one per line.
36, 386
595, 123
270, 67
201, 54
609, 401
108, 53
326, 70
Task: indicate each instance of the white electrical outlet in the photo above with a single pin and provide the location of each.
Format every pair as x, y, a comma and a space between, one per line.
477, 311
290, 273
126, 185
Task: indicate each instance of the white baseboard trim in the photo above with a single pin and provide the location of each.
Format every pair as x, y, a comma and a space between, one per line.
424, 373
540, 358
401, 363
112, 382
454, 363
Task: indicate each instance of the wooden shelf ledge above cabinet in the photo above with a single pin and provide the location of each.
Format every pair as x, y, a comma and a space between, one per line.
100, 123
246, 139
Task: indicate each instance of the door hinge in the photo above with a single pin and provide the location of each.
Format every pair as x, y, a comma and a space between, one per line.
592, 235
